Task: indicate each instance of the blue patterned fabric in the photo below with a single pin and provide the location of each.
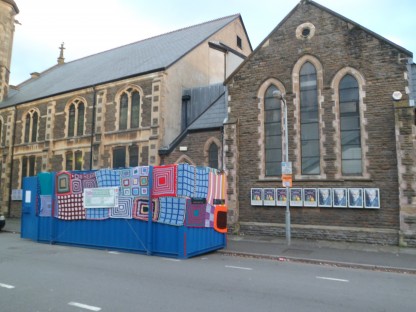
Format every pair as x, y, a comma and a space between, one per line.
45, 207
172, 210
107, 177
186, 180
201, 189
97, 213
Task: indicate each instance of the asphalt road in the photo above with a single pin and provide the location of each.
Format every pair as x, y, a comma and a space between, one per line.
41, 277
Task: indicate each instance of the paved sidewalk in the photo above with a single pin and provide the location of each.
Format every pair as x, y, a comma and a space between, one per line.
341, 254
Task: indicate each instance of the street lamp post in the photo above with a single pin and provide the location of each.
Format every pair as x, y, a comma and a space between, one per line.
277, 94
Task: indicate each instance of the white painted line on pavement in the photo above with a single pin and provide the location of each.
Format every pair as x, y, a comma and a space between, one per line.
6, 286
333, 279
237, 267
114, 252
84, 306
171, 259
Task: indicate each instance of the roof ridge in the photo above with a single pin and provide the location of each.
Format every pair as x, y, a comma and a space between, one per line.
146, 39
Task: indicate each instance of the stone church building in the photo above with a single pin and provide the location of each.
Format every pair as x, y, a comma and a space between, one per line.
350, 100
118, 108
201, 95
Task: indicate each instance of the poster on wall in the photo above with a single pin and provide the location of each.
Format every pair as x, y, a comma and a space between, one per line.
372, 198
324, 197
309, 197
103, 197
269, 195
355, 198
340, 197
296, 197
257, 197
281, 197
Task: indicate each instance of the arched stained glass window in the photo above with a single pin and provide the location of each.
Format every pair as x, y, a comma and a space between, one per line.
213, 156
272, 133
309, 120
350, 126
124, 106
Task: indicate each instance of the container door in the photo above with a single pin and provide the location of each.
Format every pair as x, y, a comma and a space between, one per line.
29, 221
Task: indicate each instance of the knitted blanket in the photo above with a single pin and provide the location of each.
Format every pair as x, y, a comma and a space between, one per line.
164, 181
172, 210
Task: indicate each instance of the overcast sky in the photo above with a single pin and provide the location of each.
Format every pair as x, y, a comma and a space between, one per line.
92, 26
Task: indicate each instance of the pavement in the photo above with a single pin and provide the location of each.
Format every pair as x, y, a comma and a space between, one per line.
330, 253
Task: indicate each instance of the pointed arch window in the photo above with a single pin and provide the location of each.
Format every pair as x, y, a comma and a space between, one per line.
31, 126
76, 116
213, 156
350, 126
272, 133
309, 120
129, 113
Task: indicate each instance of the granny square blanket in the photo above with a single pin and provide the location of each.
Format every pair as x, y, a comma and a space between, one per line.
172, 210
63, 183
164, 180
135, 181
209, 215
124, 208
141, 209
195, 214
45, 208
108, 177
186, 180
201, 189
71, 207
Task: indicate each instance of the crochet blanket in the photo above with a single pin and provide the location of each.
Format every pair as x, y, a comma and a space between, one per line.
201, 185
45, 207
108, 177
124, 209
216, 186
141, 209
135, 181
172, 210
164, 181
186, 180
71, 207
195, 214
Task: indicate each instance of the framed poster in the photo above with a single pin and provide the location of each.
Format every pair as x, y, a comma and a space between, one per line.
339, 196
281, 197
257, 197
102, 197
309, 197
371, 198
355, 197
324, 197
296, 197
269, 195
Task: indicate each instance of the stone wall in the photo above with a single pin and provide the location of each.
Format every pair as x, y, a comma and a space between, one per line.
336, 47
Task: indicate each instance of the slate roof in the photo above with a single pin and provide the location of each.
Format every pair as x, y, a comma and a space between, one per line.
145, 56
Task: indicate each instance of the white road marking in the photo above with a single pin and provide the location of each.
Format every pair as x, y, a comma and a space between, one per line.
237, 267
114, 252
333, 279
171, 259
6, 286
84, 306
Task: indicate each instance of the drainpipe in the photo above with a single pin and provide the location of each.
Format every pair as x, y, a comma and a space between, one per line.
11, 162
93, 124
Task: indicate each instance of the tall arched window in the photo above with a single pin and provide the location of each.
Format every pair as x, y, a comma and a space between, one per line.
31, 126
76, 114
213, 156
129, 106
350, 126
272, 133
309, 120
